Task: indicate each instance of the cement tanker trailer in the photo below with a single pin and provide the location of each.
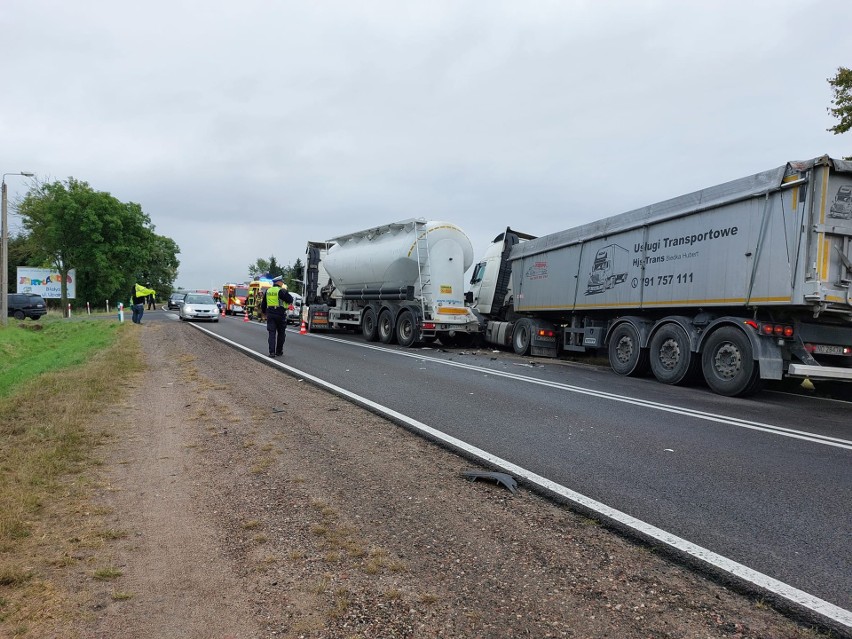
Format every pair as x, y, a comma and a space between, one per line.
401, 282
746, 281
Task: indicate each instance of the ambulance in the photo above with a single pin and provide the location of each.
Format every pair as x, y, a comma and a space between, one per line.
256, 291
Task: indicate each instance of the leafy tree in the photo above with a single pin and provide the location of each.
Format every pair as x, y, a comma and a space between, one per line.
841, 84
292, 275
112, 244
22, 253
161, 267
257, 269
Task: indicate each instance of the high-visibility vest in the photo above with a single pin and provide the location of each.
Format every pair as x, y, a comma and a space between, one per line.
272, 297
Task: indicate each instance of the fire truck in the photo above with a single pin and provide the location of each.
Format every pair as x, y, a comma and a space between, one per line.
234, 298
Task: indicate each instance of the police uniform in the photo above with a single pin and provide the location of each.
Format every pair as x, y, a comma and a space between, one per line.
275, 304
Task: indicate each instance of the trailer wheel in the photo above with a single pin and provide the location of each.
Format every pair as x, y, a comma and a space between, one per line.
406, 329
626, 357
521, 336
386, 327
368, 325
672, 362
728, 363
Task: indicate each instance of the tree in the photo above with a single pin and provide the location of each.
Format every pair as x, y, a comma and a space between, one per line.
22, 253
257, 269
111, 244
274, 269
841, 84
295, 276
161, 264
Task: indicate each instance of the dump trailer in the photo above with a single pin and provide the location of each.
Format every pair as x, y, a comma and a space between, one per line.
746, 281
397, 283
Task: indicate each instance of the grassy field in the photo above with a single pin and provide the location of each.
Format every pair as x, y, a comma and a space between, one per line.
54, 375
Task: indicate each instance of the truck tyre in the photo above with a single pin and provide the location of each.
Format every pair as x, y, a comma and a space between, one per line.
626, 357
386, 327
521, 336
19, 315
369, 327
728, 363
406, 329
671, 360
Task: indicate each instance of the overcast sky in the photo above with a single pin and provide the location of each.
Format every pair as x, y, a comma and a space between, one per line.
246, 129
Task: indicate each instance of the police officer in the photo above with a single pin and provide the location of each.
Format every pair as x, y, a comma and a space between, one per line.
274, 304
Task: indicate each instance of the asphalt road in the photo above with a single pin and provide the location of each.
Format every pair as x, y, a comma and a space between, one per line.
765, 481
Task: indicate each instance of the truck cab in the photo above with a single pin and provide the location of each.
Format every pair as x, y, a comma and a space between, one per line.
490, 292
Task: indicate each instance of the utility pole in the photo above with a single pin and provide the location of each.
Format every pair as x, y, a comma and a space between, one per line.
4, 251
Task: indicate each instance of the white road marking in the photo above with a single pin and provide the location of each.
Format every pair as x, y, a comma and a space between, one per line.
713, 417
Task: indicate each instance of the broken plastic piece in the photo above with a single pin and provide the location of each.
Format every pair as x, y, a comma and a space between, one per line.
501, 478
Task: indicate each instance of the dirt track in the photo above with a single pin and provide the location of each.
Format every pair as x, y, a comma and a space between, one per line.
245, 513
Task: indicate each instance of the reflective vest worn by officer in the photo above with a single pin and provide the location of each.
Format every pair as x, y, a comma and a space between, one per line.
276, 301
275, 306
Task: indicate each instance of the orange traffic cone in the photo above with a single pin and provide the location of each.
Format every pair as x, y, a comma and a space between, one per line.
245, 316
303, 330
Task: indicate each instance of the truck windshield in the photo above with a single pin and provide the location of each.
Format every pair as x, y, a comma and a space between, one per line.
478, 273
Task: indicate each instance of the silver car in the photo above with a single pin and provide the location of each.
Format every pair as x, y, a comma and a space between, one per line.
199, 306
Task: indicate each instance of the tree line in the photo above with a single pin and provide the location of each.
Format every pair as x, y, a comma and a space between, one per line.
112, 245
292, 274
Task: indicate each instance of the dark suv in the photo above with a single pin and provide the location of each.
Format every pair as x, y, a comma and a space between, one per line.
175, 301
22, 305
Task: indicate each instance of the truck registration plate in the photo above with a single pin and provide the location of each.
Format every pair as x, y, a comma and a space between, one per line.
828, 349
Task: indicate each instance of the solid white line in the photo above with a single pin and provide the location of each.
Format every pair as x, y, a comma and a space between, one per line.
765, 582
689, 412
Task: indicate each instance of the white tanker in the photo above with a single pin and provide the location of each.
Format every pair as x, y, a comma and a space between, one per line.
401, 282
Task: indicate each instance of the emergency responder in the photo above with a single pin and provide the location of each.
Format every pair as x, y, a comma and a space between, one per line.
274, 305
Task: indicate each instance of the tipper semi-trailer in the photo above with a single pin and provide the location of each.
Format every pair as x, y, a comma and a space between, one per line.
396, 283
746, 281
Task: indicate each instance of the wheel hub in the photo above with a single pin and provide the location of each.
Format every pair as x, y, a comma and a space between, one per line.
669, 354
728, 361
624, 349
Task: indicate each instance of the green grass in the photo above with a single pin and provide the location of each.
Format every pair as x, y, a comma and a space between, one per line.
55, 375
29, 349
107, 574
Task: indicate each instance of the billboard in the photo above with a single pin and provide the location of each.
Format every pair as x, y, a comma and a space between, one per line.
45, 282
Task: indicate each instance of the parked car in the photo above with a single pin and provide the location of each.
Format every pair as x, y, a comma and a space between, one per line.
199, 306
175, 301
294, 310
23, 305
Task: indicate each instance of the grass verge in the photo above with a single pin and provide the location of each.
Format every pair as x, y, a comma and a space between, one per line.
56, 376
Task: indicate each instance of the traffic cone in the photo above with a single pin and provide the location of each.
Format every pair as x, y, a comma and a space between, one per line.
223, 311
303, 330
245, 316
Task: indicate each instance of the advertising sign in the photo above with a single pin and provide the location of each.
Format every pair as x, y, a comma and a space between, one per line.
45, 282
